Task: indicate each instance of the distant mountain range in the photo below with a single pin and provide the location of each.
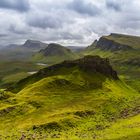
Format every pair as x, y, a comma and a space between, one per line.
13, 52
122, 50
34, 44
30, 44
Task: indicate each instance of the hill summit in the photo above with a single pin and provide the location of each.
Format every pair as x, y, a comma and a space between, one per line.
54, 53
55, 49
34, 44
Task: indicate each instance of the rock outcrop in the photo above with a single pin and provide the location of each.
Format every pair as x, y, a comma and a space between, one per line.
93, 65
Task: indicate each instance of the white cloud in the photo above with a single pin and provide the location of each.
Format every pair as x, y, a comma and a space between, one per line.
71, 21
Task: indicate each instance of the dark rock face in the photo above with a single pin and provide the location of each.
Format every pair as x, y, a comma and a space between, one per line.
34, 44
93, 64
88, 64
107, 44
54, 49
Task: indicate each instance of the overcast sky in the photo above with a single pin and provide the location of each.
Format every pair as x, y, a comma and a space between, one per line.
69, 22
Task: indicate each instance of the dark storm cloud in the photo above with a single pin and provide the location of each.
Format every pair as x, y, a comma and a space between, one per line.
113, 4
3, 35
70, 36
63, 36
76, 21
13, 29
18, 5
84, 7
44, 21
50, 19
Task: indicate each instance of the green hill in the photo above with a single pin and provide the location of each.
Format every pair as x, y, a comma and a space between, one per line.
19, 61
54, 53
79, 99
124, 54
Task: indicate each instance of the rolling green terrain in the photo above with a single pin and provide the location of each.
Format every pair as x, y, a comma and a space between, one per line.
15, 61
80, 99
18, 61
90, 98
14, 52
13, 71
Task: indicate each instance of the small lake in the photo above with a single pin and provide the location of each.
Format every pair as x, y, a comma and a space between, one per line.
42, 64
32, 72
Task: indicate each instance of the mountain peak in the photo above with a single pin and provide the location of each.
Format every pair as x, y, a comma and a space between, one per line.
55, 49
34, 44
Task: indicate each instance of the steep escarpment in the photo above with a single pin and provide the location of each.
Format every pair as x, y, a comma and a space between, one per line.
89, 64
116, 42
108, 44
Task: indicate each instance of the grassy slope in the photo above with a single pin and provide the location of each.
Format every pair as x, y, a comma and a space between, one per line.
53, 54
77, 105
127, 63
53, 59
13, 71
15, 63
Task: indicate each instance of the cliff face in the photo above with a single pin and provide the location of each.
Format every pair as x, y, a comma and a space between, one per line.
107, 44
93, 64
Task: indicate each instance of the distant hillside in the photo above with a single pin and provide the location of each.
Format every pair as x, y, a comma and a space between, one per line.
116, 42
16, 52
54, 53
76, 48
55, 49
120, 48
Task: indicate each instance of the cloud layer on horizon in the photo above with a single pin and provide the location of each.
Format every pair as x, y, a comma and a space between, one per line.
76, 22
